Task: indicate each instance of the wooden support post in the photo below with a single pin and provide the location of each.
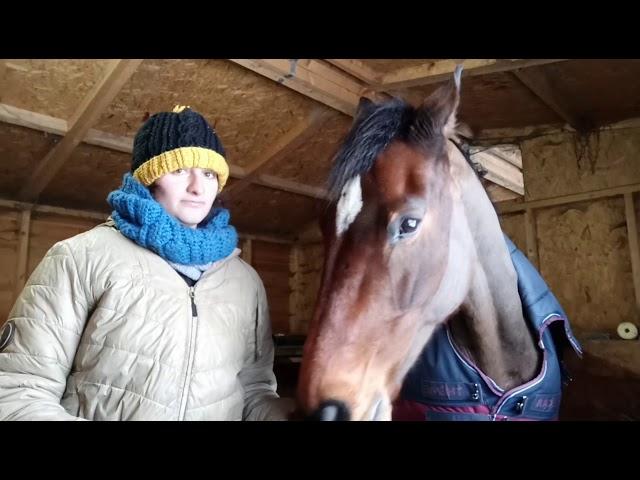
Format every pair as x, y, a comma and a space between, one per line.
532, 241
23, 251
632, 229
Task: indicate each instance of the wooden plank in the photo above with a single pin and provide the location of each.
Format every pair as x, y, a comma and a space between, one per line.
261, 237
71, 212
358, 69
320, 70
58, 126
498, 193
500, 171
36, 121
442, 70
519, 206
628, 123
90, 215
23, 251
510, 153
312, 79
632, 230
532, 238
283, 146
92, 106
50, 209
539, 83
108, 140
291, 186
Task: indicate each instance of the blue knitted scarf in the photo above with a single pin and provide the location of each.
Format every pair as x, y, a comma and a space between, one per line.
141, 218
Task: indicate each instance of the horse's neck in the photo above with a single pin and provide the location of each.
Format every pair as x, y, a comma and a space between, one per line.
490, 326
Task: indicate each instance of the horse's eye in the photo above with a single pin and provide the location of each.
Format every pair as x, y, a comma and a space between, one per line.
409, 225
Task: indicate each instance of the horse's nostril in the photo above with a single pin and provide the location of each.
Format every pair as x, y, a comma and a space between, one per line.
331, 411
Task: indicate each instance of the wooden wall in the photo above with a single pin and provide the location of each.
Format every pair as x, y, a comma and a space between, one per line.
306, 271
271, 261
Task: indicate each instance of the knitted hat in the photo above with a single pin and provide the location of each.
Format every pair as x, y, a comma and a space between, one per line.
180, 139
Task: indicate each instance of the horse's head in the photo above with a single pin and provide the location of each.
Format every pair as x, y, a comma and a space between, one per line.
392, 262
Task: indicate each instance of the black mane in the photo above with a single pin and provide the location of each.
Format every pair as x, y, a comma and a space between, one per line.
372, 132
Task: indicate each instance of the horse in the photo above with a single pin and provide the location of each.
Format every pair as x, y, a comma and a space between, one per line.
412, 243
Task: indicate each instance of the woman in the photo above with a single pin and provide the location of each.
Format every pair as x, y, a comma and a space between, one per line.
151, 315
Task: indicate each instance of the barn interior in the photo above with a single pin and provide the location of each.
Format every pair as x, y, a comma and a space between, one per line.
558, 139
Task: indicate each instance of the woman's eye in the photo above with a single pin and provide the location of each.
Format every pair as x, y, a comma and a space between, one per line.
179, 171
209, 174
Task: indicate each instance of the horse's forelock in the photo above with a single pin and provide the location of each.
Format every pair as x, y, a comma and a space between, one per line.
370, 134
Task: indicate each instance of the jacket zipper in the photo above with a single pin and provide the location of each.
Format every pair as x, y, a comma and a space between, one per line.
192, 348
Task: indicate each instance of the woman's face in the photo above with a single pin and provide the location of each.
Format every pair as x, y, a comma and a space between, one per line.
187, 194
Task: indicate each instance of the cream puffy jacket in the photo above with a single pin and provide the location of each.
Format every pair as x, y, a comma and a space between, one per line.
107, 330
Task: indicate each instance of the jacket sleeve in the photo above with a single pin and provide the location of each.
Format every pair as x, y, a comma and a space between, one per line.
261, 402
47, 321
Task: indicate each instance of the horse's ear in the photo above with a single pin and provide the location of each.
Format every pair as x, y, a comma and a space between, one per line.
365, 106
442, 104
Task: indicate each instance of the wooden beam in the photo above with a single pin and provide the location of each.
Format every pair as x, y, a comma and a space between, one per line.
282, 147
55, 210
442, 70
520, 206
539, 83
57, 126
509, 153
500, 171
312, 78
102, 216
110, 141
498, 193
23, 251
511, 135
358, 69
263, 237
628, 123
291, 186
92, 106
531, 237
632, 230
36, 121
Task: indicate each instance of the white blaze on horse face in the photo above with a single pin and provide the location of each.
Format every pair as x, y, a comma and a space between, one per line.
349, 205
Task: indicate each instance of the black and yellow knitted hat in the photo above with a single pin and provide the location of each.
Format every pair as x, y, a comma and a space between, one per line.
179, 139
